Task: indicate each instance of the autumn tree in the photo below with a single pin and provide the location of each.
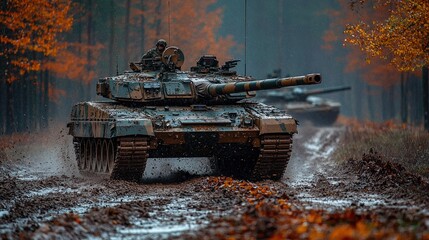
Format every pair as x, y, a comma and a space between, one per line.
402, 36
77, 62
31, 27
373, 83
399, 34
30, 35
72, 62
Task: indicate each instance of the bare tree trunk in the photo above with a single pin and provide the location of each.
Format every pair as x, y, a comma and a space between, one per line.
2, 101
3, 78
384, 104
126, 31
79, 40
371, 103
52, 106
416, 93
158, 21
391, 102
142, 23
404, 104
89, 42
280, 36
112, 39
3, 98
40, 101
10, 118
16, 107
425, 78
353, 98
26, 107
30, 97
45, 100
18, 104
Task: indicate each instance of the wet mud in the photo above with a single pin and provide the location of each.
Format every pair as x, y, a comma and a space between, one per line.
42, 195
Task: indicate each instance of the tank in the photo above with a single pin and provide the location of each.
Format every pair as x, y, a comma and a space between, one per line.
304, 105
159, 111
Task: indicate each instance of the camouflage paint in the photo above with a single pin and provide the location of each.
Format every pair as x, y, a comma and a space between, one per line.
175, 108
109, 120
226, 88
155, 88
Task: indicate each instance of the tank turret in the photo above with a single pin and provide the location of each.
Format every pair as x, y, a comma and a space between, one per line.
207, 83
160, 111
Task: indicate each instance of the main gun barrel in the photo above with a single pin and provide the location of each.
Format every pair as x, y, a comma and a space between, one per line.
327, 90
236, 87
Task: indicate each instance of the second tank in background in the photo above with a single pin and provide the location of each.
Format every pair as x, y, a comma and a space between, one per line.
304, 104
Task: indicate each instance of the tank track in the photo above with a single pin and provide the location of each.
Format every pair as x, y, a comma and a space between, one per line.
131, 157
273, 157
123, 158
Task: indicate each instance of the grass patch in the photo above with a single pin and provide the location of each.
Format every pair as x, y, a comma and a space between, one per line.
408, 147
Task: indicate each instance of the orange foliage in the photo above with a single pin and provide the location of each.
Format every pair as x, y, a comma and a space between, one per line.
193, 27
55, 93
32, 26
72, 62
400, 35
377, 72
365, 125
10, 141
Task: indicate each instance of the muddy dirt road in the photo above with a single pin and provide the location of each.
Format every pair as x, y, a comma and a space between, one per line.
42, 195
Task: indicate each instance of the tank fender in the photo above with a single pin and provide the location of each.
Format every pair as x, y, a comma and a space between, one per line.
119, 128
127, 127
90, 129
277, 125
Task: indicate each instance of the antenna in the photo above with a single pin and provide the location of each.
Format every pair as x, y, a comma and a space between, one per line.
169, 20
280, 46
245, 37
117, 67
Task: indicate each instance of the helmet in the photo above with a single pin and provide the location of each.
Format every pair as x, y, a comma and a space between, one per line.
161, 42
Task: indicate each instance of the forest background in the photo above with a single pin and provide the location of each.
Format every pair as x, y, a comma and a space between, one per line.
53, 52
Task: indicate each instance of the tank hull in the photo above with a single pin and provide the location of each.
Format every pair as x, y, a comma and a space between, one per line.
317, 111
248, 140
319, 115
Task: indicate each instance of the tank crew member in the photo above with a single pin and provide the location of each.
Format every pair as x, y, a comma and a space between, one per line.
155, 52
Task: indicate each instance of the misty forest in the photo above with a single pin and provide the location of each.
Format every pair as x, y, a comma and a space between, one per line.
55, 59
344, 159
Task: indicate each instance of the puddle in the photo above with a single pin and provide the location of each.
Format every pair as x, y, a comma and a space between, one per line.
46, 191
170, 220
333, 203
3, 213
165, 230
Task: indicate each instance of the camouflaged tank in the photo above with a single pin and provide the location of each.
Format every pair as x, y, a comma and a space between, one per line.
304, 105
159, 111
